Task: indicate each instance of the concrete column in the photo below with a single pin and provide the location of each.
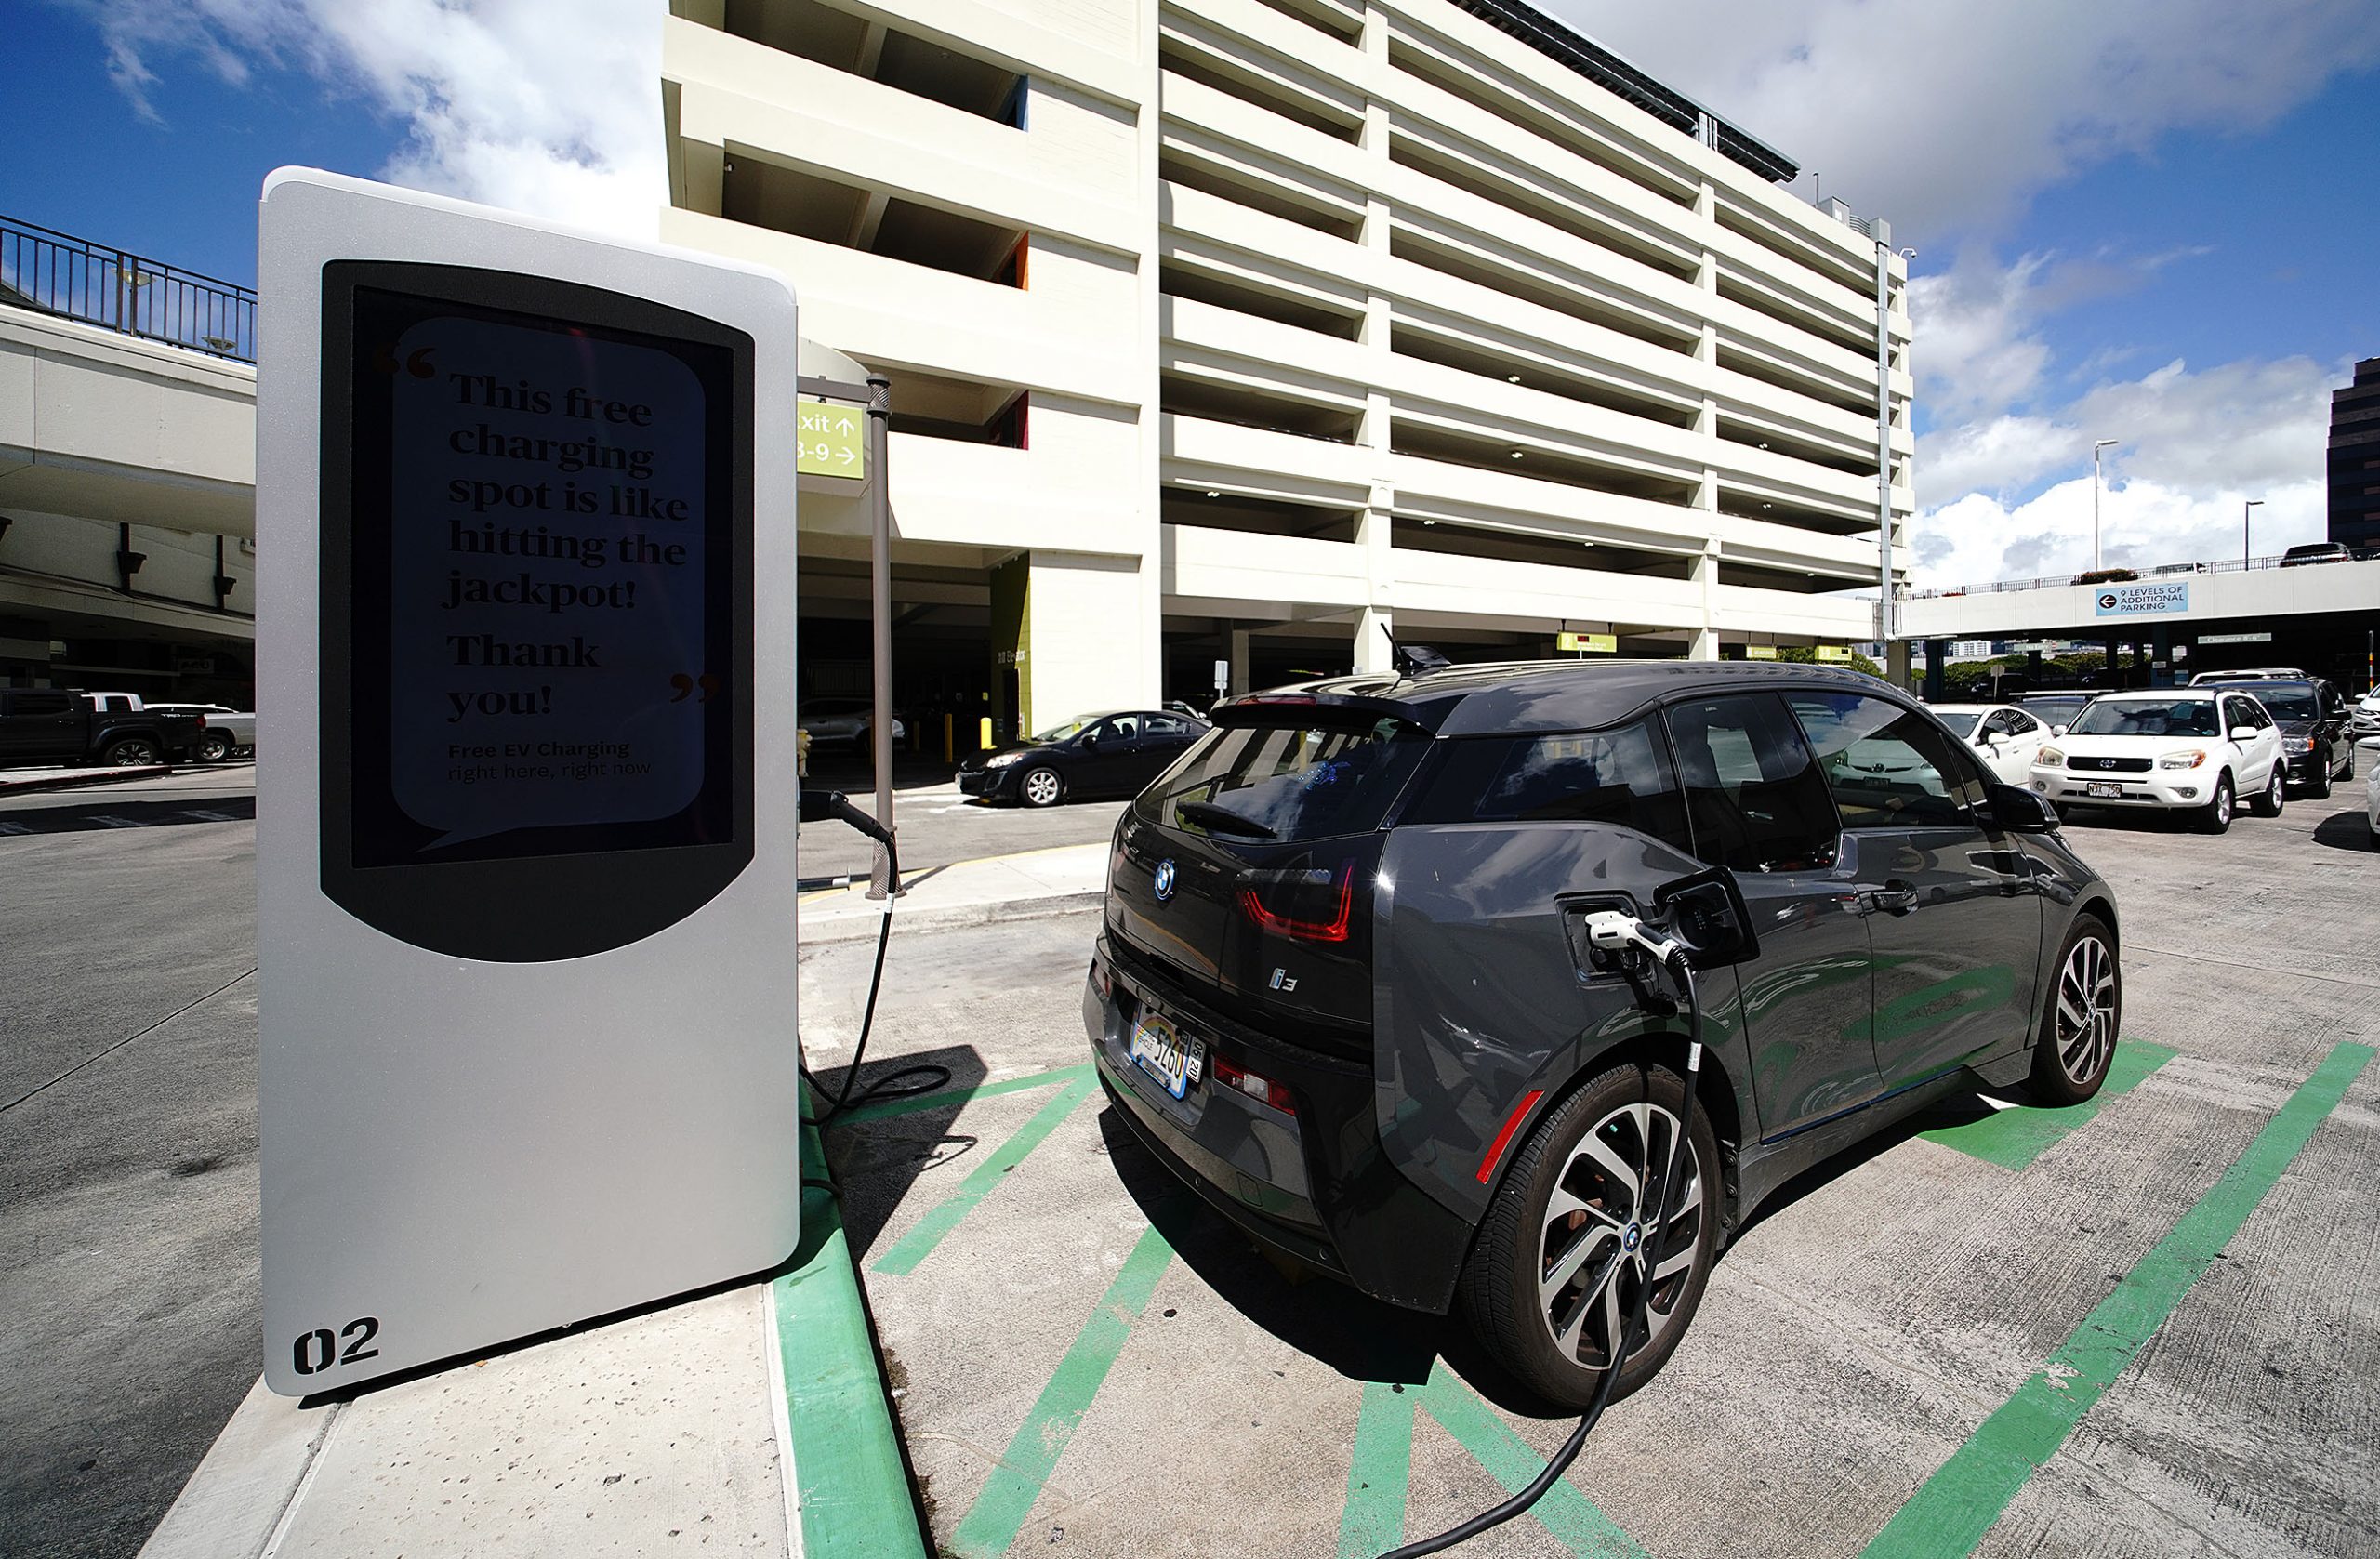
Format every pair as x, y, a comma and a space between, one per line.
1897, 663
1240, 638
1937, 658
2160, 655
1705, 643
1371, 643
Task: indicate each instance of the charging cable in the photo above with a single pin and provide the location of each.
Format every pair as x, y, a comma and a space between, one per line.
816, 807
1625, 937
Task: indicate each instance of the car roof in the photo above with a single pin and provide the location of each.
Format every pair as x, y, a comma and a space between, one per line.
1554, 696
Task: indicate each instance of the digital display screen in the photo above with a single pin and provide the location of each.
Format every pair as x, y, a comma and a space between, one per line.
542, 555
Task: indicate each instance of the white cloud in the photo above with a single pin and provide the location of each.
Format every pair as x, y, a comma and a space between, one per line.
535, 106
2143, 522
1948, 115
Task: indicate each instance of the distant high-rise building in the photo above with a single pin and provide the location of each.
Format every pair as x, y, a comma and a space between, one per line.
2355, 458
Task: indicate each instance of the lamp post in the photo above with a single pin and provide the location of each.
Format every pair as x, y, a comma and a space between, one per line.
2244, 510
2103, 444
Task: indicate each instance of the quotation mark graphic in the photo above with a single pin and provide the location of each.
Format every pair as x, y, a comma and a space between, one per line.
685, 685
417, 363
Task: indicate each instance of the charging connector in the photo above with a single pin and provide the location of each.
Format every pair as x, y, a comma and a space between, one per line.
1617, 932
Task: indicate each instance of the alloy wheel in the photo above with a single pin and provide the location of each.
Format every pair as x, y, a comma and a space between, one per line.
1041, 787
1604, 1239
2221, 803
2087, 1011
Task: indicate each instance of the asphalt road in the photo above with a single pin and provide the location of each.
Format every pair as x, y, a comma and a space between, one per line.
128, 1274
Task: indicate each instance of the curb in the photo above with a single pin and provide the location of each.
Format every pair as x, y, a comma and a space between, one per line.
851, 1492
101, 776
859, 927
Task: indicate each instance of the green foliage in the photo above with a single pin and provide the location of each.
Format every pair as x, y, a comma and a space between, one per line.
1799, 655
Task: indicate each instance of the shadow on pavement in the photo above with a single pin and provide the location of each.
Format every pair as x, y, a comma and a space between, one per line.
2347, 830
877, 1161
84, 815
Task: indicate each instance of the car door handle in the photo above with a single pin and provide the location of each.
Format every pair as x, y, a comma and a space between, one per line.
1893, 898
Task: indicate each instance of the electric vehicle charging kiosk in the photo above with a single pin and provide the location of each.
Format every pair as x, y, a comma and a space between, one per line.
526, 870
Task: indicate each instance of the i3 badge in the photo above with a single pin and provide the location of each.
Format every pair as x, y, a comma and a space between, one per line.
1164, 880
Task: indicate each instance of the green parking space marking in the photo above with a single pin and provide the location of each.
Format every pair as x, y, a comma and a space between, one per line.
959, 1096
1373, 1521
919, 1243
1953, 1509
852, 1488
998, 1516
2014, 1137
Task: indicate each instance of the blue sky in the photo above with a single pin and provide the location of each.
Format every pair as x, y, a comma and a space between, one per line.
2097, 193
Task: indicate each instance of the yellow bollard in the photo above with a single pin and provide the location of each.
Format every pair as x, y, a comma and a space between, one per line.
949, 744
984, 733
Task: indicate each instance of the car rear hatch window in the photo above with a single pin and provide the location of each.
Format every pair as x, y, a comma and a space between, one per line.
1247, 867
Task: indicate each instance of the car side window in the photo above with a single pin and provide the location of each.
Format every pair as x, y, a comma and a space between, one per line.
2000, 722
2019, 723
1887, 767
1754, 798
1167, 726
1620, 776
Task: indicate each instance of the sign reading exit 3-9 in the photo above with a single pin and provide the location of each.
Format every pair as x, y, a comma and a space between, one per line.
834, 440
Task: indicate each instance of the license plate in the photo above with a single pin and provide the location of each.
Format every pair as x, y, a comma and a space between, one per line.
1166, 1054
2107, 789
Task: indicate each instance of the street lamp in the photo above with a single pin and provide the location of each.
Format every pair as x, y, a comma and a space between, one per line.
2103, 444
2252, 503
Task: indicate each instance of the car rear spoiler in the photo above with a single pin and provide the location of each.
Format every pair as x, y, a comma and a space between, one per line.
1319, 708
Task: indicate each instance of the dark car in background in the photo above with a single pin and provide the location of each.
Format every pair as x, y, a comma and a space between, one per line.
1343, 987
1112, 754
2316, 552
2054, 709
2317, 736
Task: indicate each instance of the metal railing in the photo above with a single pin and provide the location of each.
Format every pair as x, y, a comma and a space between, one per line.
60, 274
2139, 577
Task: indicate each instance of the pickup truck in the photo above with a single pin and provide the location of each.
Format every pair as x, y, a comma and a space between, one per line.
53, 725
227, 729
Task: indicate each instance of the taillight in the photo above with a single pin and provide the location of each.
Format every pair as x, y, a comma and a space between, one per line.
202, 722
1256, 1086
1312, 905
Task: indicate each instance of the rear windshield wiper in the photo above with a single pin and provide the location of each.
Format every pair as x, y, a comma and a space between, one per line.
1223, 820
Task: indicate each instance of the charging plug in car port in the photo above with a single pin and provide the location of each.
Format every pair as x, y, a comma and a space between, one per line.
1599, 959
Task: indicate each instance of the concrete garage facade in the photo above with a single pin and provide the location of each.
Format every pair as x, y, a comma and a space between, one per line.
1238, 330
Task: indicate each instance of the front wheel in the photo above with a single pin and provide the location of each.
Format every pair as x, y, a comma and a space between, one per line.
2215, 816
1575, 1232
2319, 787
1041, 787
2275, 793
2077, 1035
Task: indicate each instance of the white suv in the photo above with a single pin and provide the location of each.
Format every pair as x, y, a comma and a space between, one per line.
2198, 750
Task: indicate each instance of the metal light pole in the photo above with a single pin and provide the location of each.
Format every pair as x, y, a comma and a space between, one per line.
2251, 504
2103, 444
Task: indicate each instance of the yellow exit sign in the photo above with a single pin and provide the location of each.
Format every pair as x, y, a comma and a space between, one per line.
834, 441
1598, 643
1760, 652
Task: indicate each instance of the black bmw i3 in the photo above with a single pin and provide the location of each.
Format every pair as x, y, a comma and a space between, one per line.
1343, 985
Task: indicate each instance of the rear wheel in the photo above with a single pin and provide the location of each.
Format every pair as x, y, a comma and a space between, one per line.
2077, 1037
2275, 793
214, 746
2215, 816
1575, 1233
125, 751
1041, 787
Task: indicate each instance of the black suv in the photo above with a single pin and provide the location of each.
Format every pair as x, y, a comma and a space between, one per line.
2314, 722
1343, 987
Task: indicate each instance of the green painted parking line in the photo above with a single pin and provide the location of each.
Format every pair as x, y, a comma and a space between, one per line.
854, 1489
2014, 1137
919, 1243
956, 1096
1373, 1521
992, 1522
1953, 1509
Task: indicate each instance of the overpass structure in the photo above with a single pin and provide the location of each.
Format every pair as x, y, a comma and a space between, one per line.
2323, 617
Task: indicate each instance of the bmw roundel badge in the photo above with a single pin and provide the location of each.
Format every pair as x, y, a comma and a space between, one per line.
1164, 880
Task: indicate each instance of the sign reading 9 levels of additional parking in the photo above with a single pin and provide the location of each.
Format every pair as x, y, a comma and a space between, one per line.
526, 1044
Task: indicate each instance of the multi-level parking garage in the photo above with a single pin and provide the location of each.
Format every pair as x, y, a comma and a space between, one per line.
1235, 330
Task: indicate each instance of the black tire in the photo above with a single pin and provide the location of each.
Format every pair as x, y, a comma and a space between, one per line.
2346, 769
2276, 795
1040, 786
213, 746
125, 751
2318, 788
2081, 1013
1501, 1291
2215, 816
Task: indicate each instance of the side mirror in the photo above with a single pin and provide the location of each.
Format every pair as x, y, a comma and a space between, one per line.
2244, 733
2058, 731
2018, 810
1707, 912
1089, 742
